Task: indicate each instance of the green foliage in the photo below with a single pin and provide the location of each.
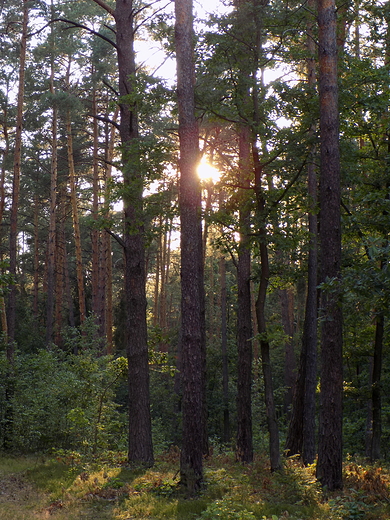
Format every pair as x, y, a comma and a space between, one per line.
63, 400
226, 509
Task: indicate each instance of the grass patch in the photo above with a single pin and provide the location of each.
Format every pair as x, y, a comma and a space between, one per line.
35, 488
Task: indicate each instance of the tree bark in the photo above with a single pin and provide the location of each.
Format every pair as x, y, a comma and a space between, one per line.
301, 438
329, 466
140, 429
192, 300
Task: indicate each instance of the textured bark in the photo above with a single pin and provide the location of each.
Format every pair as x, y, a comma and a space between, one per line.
329, 466
244, 443
192, 301
140, 430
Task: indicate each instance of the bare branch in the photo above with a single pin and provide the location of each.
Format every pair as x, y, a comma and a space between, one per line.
82, 26
117, 237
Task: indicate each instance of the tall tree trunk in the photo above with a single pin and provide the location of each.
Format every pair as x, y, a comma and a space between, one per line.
225, 358
329, 466
301, 434
75, 219
96, 282
192, 301
51, 242
286, 297
107, 299
376, 394
60, 265
273, 429
6, 149
36, 257
140, 429
244, 443
11, 318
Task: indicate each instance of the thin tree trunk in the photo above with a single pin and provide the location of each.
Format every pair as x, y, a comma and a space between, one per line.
244, 443
75, 219
107, 298
36, 257
225, 358
59, 265
96, 282
11, 318
287, 314
376, 394
273, 429
329, 466
51, 248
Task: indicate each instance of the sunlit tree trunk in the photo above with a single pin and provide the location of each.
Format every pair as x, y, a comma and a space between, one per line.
329, 466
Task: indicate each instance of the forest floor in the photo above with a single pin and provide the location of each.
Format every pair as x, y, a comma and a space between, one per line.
69, 487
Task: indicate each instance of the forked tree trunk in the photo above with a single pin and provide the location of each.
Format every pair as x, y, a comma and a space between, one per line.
329, 466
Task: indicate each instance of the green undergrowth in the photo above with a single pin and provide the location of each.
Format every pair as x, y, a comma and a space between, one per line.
71, 487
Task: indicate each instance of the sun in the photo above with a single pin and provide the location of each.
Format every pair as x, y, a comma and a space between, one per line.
207, 172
